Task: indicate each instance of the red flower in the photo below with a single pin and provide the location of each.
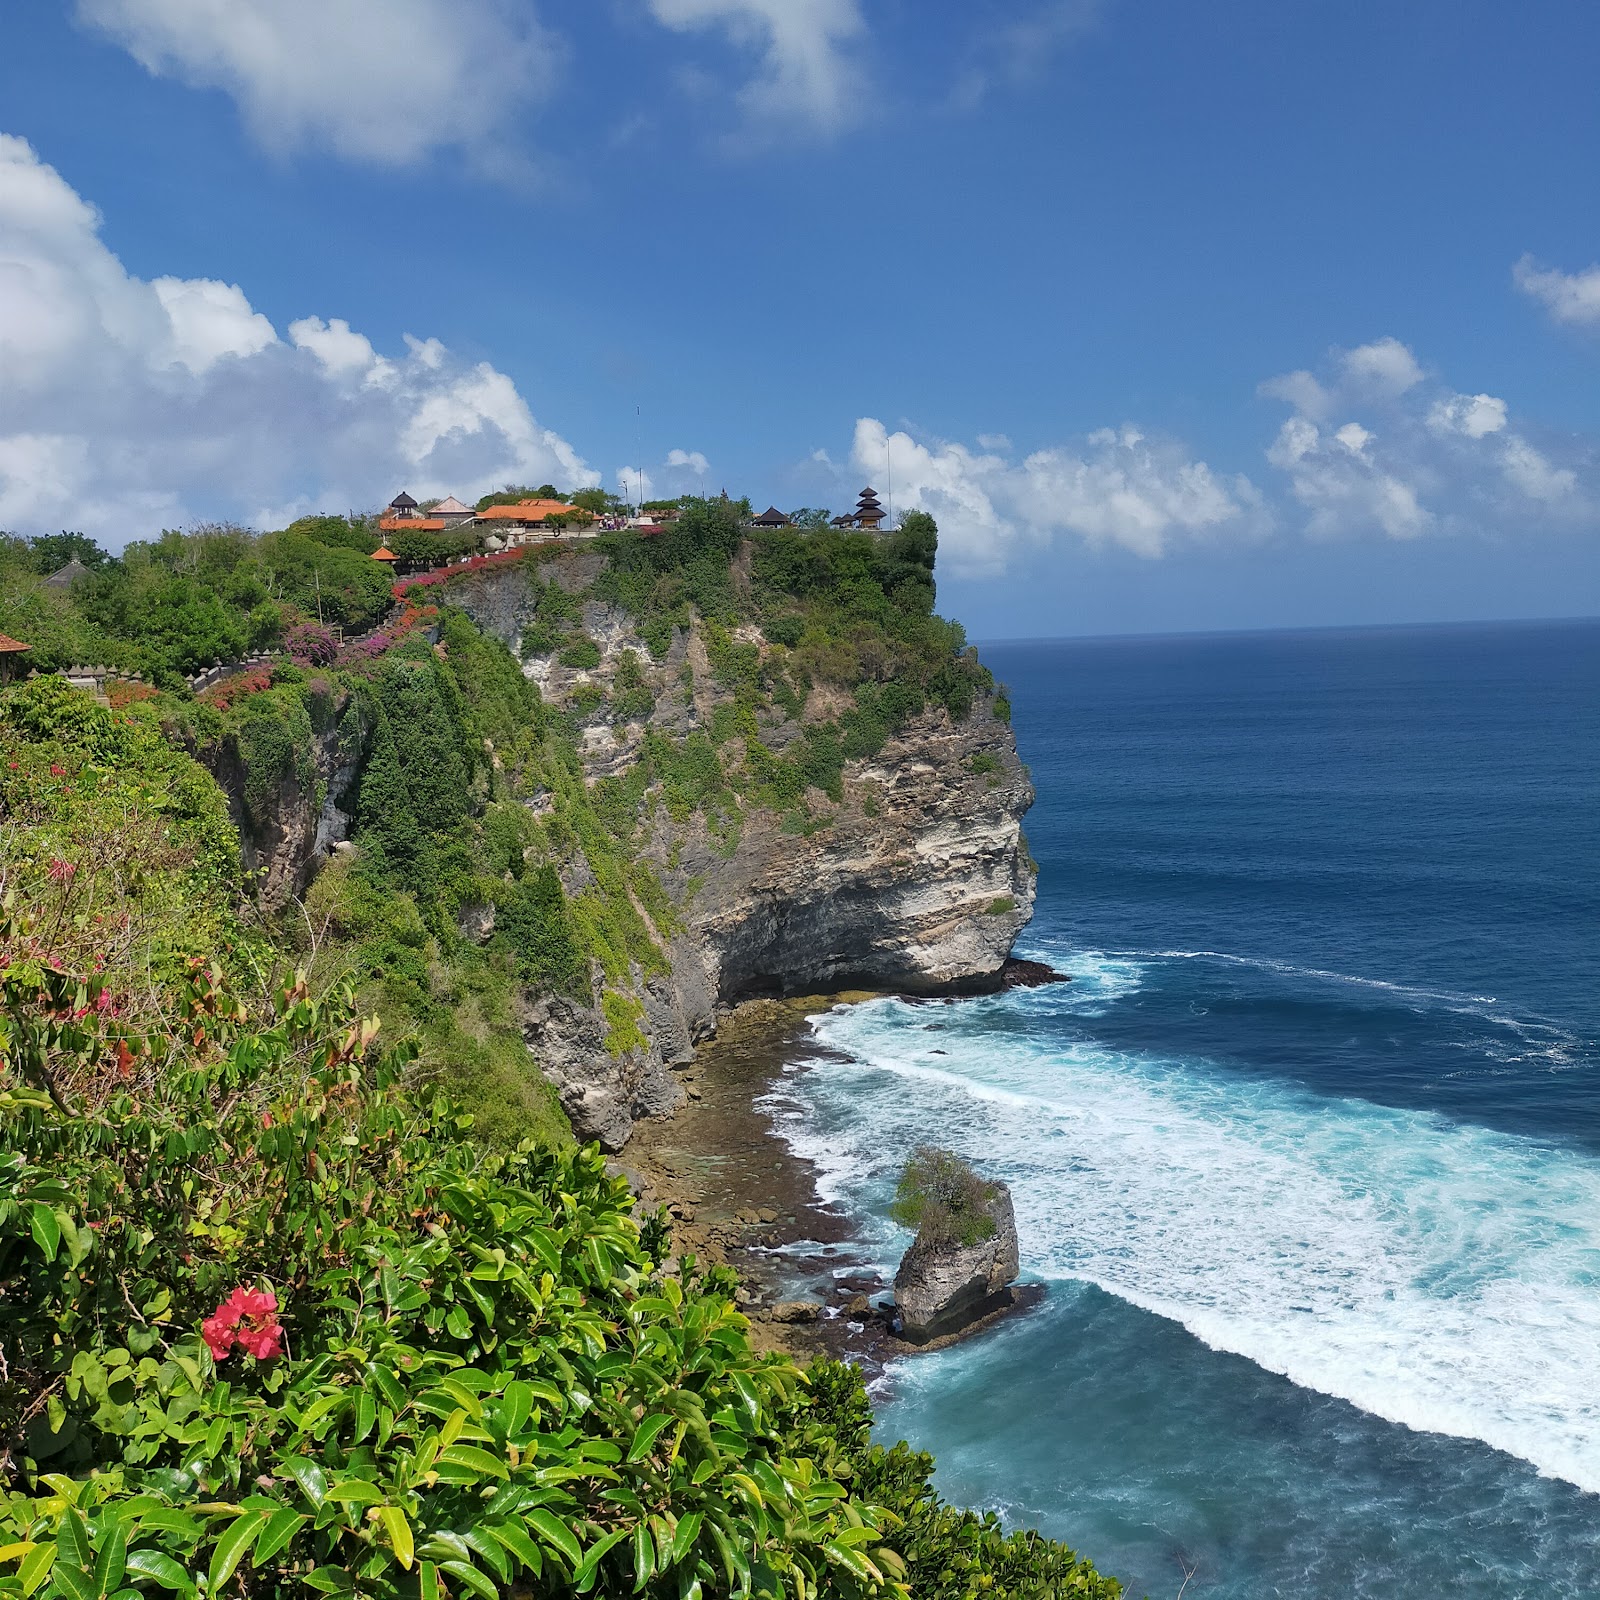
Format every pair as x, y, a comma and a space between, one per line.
61, 870
248, 1318
57, 772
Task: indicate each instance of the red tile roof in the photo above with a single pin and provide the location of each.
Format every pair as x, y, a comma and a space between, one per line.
411, 524
384, 553
8, 643
527, 511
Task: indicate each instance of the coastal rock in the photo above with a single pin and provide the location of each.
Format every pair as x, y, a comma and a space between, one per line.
942, 1289
795, 1311
917, 882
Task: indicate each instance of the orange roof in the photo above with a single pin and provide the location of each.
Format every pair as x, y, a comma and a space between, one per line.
527, 511
412, 524
384, 553
8, 643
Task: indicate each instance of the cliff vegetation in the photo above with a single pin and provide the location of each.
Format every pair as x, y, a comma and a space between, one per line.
277, 1319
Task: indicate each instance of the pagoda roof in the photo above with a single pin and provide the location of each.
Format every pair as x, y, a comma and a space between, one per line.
384, 553
69, 574
772, 517
869, 493
9, 645
403, 502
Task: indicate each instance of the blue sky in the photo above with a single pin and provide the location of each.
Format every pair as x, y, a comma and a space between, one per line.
1176, 316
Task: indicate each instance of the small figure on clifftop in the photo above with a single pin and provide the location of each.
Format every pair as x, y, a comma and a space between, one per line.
961, 1265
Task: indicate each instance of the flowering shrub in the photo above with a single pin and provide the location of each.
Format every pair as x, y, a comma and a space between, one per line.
428, 580
310, 644
230, 690
123, 692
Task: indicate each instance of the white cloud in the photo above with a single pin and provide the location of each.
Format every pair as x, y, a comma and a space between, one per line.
1473, 416
691, 461
1341, 485
1425, 459
209, 321
806, 67
1536, 476
386, 81
635, 485
1385, 365
129, 405
1116, 488
1571, 297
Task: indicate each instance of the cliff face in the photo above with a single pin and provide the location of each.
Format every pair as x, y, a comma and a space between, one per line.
916, 878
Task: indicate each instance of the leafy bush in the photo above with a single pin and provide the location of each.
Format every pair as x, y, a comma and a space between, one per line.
270, 1313
580, 653
943, 1199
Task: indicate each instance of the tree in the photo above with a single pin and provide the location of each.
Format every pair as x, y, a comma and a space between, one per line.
809, 517
943, 1199
52, 551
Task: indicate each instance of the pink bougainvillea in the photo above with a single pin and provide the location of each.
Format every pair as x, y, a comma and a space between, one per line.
248, 1318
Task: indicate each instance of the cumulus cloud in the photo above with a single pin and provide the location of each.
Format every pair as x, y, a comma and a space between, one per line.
635, 485
385, 81
1570, 297
688, 461
1116, 488
1415, 458
807, 68
129, 405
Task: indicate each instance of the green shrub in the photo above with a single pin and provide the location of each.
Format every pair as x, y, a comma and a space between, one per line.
580, 653
982, 763
943, 1199
1001, 905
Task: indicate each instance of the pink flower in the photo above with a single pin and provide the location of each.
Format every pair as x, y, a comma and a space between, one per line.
57, 772
61, 870
248, 1317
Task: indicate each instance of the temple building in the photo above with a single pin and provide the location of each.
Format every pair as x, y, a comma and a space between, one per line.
869, 513
772, 517
11, 653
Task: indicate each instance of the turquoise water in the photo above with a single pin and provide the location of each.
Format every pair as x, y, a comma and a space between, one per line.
1308, 1154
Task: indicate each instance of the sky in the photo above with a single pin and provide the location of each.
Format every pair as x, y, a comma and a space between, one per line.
1176, 317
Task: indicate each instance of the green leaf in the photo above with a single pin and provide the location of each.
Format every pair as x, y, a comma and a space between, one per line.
113, 1558
312, 1479
645, 1435
555, 1533
366, 1415
355, 1492
232, 1546
474, 1460
160, 1568
74, 1540
46, 1230
329, 1580
74, 1582
279, 1528
589, 1567
457, 1322
399, 1531
644, 1557
36, 1567
683, 1540
428, 1581
476, 1581
515, 1539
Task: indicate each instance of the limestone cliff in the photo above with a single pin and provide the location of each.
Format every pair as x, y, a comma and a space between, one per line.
913, 876
919, 880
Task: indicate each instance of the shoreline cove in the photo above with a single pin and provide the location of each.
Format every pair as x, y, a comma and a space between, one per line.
740, 1195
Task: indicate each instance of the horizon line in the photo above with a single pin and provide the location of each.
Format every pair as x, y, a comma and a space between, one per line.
1314, 627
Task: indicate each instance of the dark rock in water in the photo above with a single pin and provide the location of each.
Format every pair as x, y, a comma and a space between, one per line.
1018, 974
942, 1289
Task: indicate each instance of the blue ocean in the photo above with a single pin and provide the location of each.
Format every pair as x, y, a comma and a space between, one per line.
1307, 1155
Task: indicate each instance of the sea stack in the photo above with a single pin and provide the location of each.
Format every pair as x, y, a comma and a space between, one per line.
945, 1285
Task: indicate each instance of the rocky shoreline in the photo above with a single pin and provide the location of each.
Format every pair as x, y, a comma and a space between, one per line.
738, 1195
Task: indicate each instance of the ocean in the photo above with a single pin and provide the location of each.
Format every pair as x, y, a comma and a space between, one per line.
1307, 1155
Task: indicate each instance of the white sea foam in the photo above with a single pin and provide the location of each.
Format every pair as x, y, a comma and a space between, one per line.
1441, 1276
